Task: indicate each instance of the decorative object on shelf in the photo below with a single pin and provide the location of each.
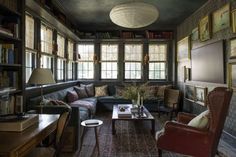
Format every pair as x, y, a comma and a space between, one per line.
95, 59
146, 59
200, 95
41, 76
183, 49
134, 14
231, 69
233, 16
204, 28
233, 48
189, 93
221, 18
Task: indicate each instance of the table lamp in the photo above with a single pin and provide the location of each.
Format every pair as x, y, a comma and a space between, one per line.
41, 76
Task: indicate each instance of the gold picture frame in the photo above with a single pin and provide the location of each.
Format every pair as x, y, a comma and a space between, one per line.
183, 49
204, 28
231, 67
221, 18
233, 19
200, 95
233, 48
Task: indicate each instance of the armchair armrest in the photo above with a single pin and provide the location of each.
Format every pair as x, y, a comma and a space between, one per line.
185, 117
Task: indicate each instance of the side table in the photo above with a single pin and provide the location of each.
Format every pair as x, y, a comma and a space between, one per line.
92, 123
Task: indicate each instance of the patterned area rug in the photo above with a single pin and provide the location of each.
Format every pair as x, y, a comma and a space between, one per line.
132, 139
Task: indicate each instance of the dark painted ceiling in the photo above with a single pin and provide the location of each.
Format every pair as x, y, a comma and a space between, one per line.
94, 14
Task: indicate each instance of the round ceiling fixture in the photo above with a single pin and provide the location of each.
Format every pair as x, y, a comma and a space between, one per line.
134, 14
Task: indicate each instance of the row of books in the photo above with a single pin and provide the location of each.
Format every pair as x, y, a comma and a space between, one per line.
11, 4
7, 105
7, 54
9, 79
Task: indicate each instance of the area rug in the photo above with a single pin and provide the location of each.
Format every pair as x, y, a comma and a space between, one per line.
132, 139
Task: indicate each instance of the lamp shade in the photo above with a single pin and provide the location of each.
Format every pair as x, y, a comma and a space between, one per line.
134, 14
41, 76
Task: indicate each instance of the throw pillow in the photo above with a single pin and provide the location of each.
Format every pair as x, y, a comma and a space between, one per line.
201, 121
89, 89
152, 91
72, 96
81, 91
119, 91
101, 91
161, 90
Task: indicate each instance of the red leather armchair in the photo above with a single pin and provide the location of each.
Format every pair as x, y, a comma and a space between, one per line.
180, 138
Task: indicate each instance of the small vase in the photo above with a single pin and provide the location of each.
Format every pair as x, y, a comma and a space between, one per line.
134, 103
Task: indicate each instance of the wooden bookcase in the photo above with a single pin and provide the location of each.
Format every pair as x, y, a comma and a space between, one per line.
11, 53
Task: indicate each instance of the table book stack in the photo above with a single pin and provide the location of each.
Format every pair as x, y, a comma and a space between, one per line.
124, 111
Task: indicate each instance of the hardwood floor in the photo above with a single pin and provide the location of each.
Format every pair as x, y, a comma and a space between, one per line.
131, 140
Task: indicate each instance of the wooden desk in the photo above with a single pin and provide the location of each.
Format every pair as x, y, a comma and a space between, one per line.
18, 144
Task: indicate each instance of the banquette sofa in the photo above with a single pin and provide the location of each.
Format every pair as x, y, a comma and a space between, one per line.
85, 106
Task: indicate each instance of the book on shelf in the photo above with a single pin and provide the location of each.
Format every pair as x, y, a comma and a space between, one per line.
7, 55
124, 111
9, 79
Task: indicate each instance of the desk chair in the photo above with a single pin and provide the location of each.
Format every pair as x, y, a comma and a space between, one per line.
53, 150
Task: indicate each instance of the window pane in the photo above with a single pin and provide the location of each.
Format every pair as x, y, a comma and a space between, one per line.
70, 50
46, 62
60, 69
133, 52
133, 70
109, 59
70, 70
46, 39
157, 52
60, 46
85, 70
157, 70
29, 32
30, 59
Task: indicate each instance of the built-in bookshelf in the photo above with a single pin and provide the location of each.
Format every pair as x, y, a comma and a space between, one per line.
160, 35
11, 54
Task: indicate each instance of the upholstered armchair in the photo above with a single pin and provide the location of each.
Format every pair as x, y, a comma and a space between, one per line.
181, 138
170, 103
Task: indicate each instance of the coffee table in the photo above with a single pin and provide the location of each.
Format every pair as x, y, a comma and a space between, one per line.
115, 118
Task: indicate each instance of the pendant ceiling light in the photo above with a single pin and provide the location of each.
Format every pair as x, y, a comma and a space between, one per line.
134, 14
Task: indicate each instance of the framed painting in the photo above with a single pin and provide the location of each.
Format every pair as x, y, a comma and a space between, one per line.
189, 93
194, 34
233, 16
232, 75
201, 93
204, 28
233, 48
221, 18
183, 49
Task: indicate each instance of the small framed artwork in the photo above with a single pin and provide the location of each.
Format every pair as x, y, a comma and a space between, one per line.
232, 75
233, 16
194, 35
201, 93
183, 49
221, 18
189, 93
204, 28
233, 48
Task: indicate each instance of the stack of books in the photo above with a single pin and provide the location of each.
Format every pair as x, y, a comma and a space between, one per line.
124, 111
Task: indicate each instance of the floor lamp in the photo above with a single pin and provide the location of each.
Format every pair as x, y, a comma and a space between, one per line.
41, 76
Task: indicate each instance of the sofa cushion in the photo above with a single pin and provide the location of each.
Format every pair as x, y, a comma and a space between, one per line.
81, 91
200, 121
152, 91
90, 105
89, 89
119, 91
101, 91
72, 96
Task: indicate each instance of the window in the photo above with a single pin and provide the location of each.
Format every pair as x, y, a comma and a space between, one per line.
30, 62
70, 50
30, 56
60, 46
133, 59
60, 69
157, 61
70, 70
109, 58
46, 61
46, 39
29, 31
86, 65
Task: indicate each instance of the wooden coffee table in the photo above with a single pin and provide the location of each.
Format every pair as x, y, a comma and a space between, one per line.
149, 117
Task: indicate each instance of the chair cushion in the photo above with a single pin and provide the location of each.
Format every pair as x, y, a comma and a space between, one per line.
72, 96
89, 89
81, 91
200, 121
101, 91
